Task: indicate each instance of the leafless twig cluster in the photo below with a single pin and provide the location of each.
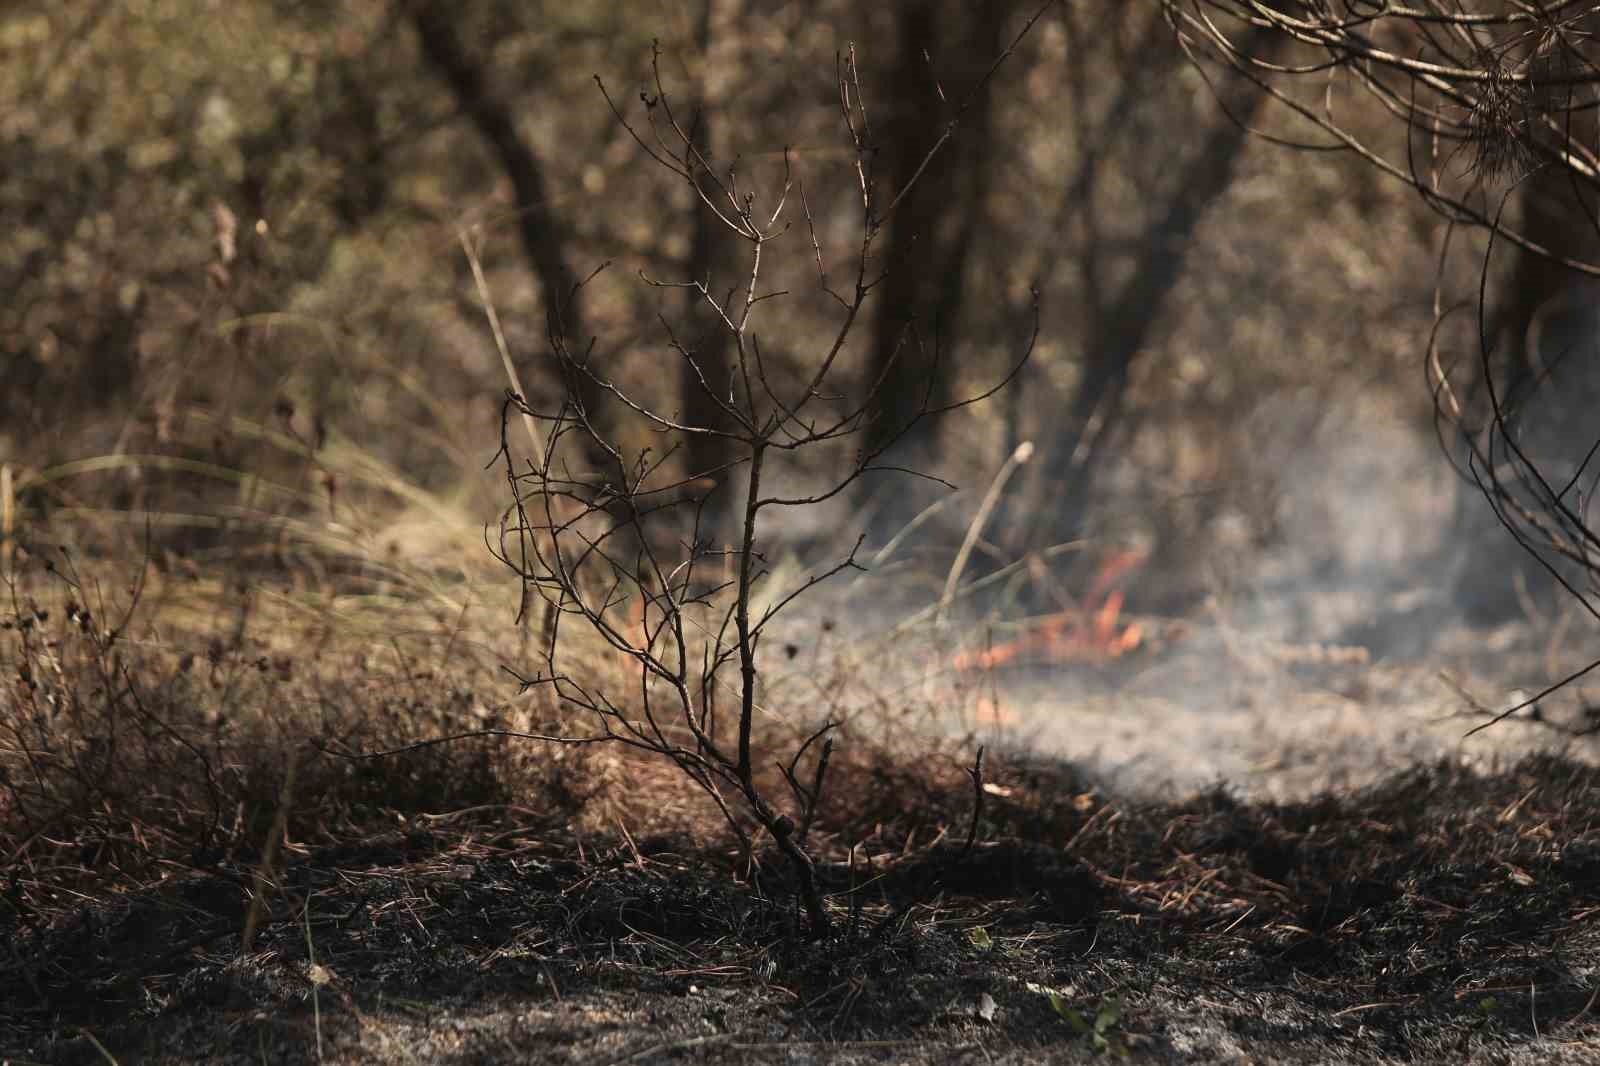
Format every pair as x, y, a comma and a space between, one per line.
1505, 81
1492, 99
587, 539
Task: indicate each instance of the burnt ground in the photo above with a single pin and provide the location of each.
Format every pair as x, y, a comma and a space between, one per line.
1442, 915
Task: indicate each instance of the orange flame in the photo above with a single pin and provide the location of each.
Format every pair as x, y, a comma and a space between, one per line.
1093, 631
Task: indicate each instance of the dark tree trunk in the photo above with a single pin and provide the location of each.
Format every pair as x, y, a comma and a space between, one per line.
1055, 506
917, 336
713, 259
1545, 353
945, 49
542, 232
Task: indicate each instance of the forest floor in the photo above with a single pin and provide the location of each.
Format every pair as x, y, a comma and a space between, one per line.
490, 904
1440, 916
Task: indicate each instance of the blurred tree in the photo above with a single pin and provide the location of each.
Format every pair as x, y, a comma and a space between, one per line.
712, 249
943, 52
1494, 104
1120, 324
543, 233
1545, 334
1077, 427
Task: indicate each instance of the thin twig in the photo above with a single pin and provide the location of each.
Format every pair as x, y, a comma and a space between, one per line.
500, 341
1022, 454
976, 773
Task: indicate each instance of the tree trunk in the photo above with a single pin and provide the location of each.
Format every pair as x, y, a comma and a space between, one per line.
1545, 353
542, 232
1056, 506
713, 259
945, 49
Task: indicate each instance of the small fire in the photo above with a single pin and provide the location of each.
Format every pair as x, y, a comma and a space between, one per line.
1084, 632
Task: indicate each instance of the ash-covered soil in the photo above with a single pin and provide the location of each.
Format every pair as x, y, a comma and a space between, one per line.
1442, 916
1281, 721
1271, 695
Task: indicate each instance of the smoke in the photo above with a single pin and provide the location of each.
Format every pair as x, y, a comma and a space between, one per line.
1315, 663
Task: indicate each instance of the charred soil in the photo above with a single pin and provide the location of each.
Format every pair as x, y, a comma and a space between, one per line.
1441, 916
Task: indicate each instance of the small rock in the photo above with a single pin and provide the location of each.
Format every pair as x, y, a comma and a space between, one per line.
987, 1007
